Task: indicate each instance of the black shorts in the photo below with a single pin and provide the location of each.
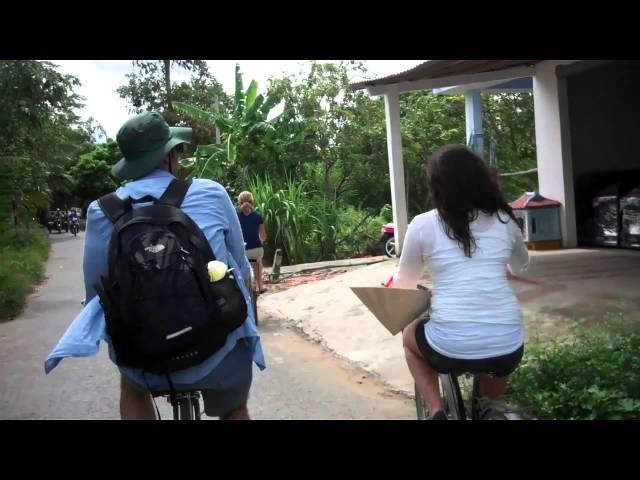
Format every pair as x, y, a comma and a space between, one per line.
497, 366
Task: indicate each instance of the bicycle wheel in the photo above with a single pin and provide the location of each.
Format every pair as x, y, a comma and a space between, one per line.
254, 301
196, 408
253, 289
475, 396
185, 409
453, 401
421, 408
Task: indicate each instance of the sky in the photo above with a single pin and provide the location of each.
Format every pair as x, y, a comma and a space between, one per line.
101, 78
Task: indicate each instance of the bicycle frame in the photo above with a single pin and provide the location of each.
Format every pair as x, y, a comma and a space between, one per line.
186, 405
453, 400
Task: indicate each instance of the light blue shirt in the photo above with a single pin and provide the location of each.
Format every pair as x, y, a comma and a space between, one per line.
209, 205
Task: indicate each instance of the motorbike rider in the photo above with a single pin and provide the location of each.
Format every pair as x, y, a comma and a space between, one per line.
74, 221
59, 216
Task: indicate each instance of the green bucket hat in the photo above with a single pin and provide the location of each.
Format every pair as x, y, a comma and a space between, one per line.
145, 140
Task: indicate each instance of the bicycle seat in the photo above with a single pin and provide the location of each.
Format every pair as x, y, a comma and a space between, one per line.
469, 371
179, 393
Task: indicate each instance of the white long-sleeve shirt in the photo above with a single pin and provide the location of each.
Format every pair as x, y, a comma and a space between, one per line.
474, 311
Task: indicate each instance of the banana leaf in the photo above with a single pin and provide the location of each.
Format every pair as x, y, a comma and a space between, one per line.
250, 112
207, 150
251, 94
195, 113
211, 119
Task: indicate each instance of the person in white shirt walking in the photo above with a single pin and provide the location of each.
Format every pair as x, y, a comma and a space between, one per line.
471, 244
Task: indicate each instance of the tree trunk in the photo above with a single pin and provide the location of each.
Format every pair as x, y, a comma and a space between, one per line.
217, 110
167, 83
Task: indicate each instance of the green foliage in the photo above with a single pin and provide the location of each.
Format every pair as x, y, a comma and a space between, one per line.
149, 86
308, 226
40, 134
91, 173
23, 252
428, 122
325, 155
287, 217
34, 95
593, 374
241, 134
508, 120
359, 231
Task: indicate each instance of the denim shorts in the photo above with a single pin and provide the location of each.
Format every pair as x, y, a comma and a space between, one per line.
227, 387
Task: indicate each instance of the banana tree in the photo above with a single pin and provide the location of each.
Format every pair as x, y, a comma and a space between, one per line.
249, 118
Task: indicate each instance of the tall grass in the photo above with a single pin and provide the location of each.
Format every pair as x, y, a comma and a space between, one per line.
309, 225
287, 216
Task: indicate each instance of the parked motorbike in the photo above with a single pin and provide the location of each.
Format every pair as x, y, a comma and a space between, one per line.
388, 240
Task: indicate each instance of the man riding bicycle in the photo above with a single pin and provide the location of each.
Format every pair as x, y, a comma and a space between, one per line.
151, 152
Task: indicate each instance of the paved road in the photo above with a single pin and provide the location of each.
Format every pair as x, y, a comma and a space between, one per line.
303, 380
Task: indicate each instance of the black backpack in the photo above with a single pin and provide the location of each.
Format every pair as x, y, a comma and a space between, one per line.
162, 312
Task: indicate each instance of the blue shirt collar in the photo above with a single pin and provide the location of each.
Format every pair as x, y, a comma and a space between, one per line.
156, 174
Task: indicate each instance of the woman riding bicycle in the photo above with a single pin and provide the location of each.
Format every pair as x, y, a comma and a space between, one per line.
471, 244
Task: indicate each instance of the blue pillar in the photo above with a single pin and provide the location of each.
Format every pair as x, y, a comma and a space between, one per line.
473, 117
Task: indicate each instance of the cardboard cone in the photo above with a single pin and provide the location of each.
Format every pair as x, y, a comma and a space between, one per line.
395, 308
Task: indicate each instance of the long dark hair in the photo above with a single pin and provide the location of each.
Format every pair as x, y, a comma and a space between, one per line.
461, 187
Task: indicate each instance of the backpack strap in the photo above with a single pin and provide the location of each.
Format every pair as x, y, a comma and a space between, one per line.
113, 207
175, 193
145, 199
